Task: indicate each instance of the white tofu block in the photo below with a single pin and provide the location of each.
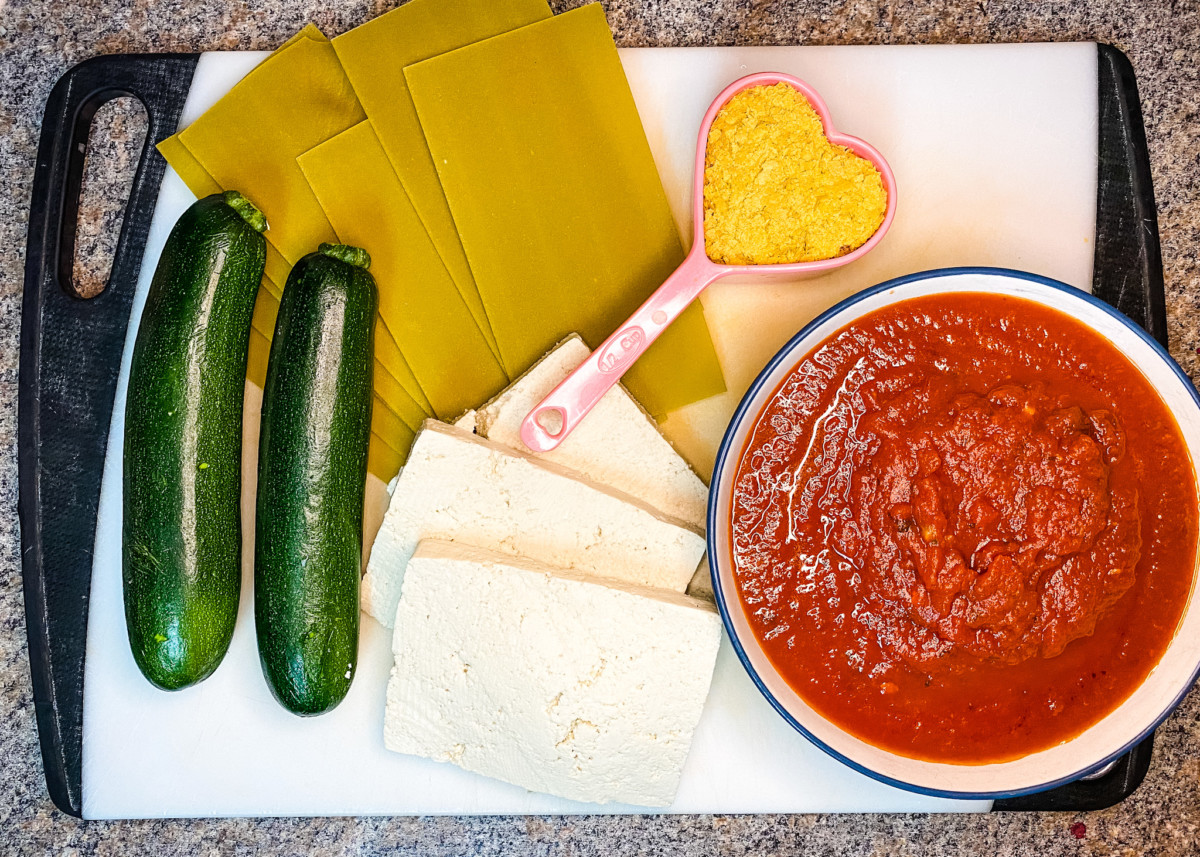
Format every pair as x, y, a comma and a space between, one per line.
617, 444
469, 421
459, 487
564, 684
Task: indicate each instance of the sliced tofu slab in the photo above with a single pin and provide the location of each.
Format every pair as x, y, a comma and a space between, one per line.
559, 683
618, 444
459, 487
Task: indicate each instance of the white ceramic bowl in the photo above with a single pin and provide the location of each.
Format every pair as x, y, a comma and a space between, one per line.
1108, 739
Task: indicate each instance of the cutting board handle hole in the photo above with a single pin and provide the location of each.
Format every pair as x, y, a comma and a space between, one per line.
102, 169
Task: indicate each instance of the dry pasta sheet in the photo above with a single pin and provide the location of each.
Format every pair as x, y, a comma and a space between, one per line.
542, 157
374, 56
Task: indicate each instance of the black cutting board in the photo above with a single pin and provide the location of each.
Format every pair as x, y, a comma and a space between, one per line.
71, 352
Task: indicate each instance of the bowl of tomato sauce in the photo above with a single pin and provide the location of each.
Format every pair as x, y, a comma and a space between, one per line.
953, 532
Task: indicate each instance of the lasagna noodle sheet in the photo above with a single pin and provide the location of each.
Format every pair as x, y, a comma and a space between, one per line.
373, 56
553, 187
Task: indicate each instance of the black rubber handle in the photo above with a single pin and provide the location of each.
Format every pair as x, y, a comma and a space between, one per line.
70, 357
1127, 270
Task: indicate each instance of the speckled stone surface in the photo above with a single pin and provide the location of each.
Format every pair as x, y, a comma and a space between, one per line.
40, 39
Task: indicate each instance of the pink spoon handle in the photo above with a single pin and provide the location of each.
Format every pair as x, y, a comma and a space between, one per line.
548, 424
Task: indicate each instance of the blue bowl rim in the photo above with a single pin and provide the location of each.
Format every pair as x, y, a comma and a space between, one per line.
740, 414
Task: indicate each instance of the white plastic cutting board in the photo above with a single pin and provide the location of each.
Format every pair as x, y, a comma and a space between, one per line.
994, 149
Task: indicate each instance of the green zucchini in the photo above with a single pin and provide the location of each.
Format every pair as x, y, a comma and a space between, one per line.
312, 469
181, 532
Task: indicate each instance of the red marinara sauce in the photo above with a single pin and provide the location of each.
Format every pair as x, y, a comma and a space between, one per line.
964, 528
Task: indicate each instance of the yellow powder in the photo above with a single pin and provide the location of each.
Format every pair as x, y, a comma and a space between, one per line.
776, 190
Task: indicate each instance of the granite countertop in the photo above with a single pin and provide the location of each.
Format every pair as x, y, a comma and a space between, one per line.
40, 40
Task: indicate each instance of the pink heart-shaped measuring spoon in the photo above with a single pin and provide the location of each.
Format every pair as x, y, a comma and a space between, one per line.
548, 424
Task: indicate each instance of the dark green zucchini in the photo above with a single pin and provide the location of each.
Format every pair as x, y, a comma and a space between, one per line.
312, 469
181, 534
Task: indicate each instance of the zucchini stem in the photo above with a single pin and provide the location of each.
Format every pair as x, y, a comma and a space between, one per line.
355, 256
248, 210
